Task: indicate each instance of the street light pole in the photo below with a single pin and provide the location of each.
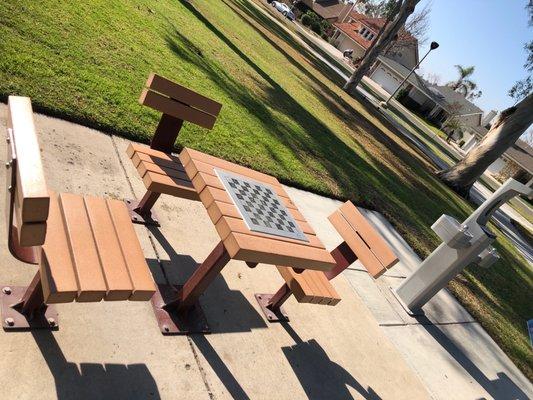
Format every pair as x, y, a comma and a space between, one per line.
433, 46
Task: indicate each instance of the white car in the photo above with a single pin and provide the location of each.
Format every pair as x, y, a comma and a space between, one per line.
284, 9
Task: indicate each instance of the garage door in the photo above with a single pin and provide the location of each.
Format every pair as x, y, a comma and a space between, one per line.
385, 79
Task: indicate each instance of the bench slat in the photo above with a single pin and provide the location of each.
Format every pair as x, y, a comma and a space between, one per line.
298, 285
176, 109
183, 94
172, 186
140, 276
310, 286
378, 246
59, 283
82, 247
157, 154
119, 286
144, 167
33, 198
359, 247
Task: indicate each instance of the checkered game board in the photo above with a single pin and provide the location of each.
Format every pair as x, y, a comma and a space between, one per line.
260, 206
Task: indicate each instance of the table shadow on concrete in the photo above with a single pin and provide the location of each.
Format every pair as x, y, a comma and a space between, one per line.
320, 377
501, 388
94, 381
226, 310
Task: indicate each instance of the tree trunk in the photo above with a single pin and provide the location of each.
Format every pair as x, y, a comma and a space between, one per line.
388, 35
511, 124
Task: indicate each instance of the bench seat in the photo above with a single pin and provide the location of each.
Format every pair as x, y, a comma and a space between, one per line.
310, 286
161, 172
92, 253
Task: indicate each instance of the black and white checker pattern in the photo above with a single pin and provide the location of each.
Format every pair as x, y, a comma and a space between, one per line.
260, 206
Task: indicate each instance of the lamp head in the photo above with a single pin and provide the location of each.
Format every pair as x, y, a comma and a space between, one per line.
433, 45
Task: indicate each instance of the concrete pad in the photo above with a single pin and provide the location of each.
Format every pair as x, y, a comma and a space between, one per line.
459, 361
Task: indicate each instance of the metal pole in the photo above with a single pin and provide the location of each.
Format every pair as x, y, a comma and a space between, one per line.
433, 46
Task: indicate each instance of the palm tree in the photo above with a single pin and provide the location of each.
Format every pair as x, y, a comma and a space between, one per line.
464, 85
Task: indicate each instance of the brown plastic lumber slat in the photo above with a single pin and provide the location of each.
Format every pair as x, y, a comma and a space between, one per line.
357, 244
141, 278
188, 154
82, 247
167, 185
333, 297
208, 175
217, 209
34, 201
226, 225
176, 109
297, 284
182, 94
139, 157
141, 148
145, 167
57, 268
377, 244
119, 286
265, 250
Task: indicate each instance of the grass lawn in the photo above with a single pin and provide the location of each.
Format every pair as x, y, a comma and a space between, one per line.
284, 113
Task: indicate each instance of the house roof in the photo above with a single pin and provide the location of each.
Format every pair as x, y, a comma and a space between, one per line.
522, 154
351, 30
377, 23
451, 97
327, 9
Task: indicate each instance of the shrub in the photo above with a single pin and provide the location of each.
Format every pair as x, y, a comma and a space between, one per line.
316, 27
306, 20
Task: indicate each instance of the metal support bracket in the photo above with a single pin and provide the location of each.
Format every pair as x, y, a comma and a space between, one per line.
174, 322
264, 301
13, 320
137, 218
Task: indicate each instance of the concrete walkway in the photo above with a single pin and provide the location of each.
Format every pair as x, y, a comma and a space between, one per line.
114, 350
365, 347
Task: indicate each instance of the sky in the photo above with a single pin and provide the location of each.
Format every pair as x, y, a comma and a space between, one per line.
489, 34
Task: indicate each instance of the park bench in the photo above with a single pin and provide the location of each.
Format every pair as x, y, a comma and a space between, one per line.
86, 246
360, 241
161, 172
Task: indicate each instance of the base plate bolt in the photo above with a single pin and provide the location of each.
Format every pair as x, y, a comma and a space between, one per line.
166, 328
9, 321
51, 321
6, 290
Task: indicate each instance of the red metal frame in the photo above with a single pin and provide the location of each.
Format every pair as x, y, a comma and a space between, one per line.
177, 308
22, 307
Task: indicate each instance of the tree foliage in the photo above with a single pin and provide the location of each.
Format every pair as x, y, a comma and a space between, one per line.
524, 86
463, 84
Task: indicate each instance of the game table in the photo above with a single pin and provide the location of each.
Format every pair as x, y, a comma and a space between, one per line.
257, 223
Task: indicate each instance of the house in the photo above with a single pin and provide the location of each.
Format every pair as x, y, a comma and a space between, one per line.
330, 10
358, 31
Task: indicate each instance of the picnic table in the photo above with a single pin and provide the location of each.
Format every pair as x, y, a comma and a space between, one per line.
257, 223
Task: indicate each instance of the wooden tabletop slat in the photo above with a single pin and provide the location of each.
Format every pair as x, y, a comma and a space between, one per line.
373, 239
119, 286
140, 276
83, 251
226, 225
268, 251
208, 175
188, 154
359, 247
59, 283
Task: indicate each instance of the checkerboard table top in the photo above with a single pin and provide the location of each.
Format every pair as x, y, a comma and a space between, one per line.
271, 240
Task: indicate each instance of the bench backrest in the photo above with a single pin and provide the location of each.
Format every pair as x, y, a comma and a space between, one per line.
367, 244
28, 198
178, 104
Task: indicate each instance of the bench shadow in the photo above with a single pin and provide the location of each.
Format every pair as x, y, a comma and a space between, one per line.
501, 388
94, 381
320, 377
226, 310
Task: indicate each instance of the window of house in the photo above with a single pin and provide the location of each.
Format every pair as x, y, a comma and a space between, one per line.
363, 31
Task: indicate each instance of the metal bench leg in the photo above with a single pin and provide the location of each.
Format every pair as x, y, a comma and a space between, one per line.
23, 307
141, 211
271, 304
178, 311
344, 257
